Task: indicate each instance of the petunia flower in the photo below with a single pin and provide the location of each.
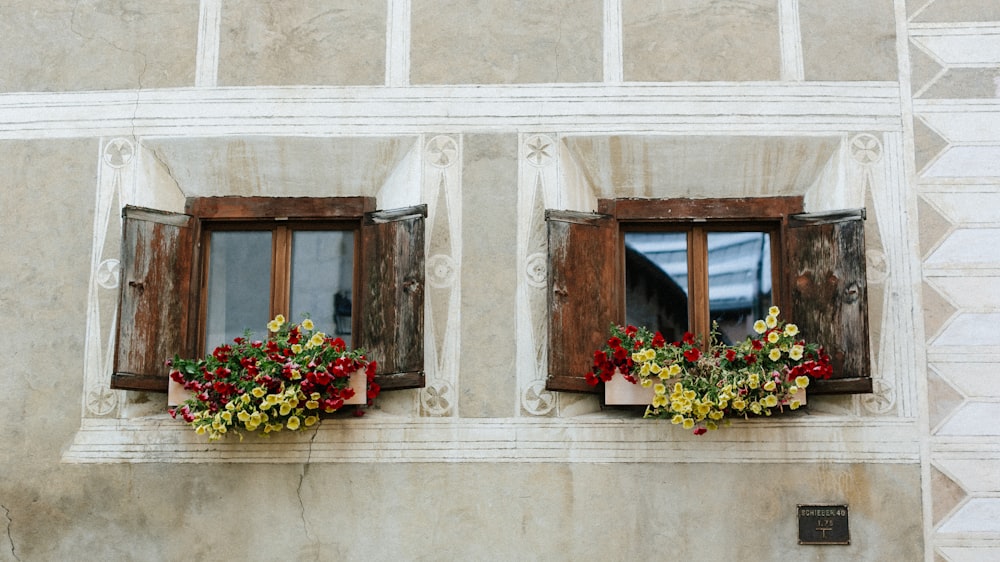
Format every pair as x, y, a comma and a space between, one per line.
759, 326
276, 324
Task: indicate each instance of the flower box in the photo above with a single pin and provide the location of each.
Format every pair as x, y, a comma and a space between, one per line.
620, 392
176, 395
287, 381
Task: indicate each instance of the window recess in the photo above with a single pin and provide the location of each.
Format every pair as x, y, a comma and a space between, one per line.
705, 260
271, 255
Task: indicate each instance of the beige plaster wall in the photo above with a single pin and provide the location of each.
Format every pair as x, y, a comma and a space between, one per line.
505, 42
289, 43
60, 45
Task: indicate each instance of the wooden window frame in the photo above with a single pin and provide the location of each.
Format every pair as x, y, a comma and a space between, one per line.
809, 268
161, 306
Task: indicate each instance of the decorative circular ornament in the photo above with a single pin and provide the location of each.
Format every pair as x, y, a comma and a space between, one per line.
435, 398
537, 400
442, 151
536, 270
877, 266
441, 271
538, 150
882, 399
866, 148
118, 152
107, 274
101, 400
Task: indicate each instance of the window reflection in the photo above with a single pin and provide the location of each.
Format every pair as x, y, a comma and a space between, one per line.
322, 279
739, 281
656, 282
239, 285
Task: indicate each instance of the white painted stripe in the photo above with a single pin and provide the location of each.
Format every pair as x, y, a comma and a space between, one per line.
979, 515
978, 419
790, 36
207, 59
971, 329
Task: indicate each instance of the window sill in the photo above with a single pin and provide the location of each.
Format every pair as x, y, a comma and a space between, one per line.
605, 437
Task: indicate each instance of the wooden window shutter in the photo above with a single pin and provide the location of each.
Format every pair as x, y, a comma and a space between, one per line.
392, 295
826, 257
155, 305
584, 293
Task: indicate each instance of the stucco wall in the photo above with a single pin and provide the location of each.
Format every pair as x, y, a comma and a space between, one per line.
491, 115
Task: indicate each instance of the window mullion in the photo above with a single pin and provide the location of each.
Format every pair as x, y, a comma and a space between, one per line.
698, 306
281, 270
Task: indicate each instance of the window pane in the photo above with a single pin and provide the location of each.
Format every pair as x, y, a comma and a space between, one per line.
322, 279
239, 285
739, 281
656, 282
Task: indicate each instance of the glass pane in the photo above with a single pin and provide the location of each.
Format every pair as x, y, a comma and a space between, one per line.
656, 282
322, 279
239, 285
739, 281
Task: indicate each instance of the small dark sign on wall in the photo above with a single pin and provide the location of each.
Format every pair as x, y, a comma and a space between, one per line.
823, 524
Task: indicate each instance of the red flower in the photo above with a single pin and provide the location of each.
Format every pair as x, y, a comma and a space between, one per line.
757, 345
631, 331
688, 338
658, 340
700, 430
592, 379
614, 342
730, 355
692, 354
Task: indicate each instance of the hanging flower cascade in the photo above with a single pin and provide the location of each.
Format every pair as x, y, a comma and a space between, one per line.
698, 388
285, 382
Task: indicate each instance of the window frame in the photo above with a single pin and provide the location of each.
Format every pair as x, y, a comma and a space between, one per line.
282, 230
162, 290
582, 307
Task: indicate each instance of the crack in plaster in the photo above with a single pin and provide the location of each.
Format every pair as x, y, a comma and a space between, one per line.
298, 492
10, 536
142, 56
166, 166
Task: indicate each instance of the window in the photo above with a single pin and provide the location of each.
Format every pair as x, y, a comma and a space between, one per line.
192, 281
682, 264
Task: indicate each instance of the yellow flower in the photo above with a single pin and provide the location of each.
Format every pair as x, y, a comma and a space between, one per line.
793, 389
293, 423
794, 404
755, 407
759, 326
674, 370
677, 419
227, 417
739, 404
753, 380
660, 389
655, 368
773, 337
802, 381
771, 401
307, 324
644, 370
311, 420
271, 399
716, 415
285, 409
296, 348
774, 355
638, 356
243, 416
771, 321
276, 324
791, 329
312, 405
796, 352
659, 401
773, 311
316, 340
688, 423
258, 392
295, 375
650, 354
315, 396
200, 430
689, 395
769, 386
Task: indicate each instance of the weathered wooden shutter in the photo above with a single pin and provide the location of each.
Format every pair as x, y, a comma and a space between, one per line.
826, 257
584, 295
154, 309
392, 295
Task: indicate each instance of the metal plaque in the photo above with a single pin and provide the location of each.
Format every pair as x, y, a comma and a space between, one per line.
823, 524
